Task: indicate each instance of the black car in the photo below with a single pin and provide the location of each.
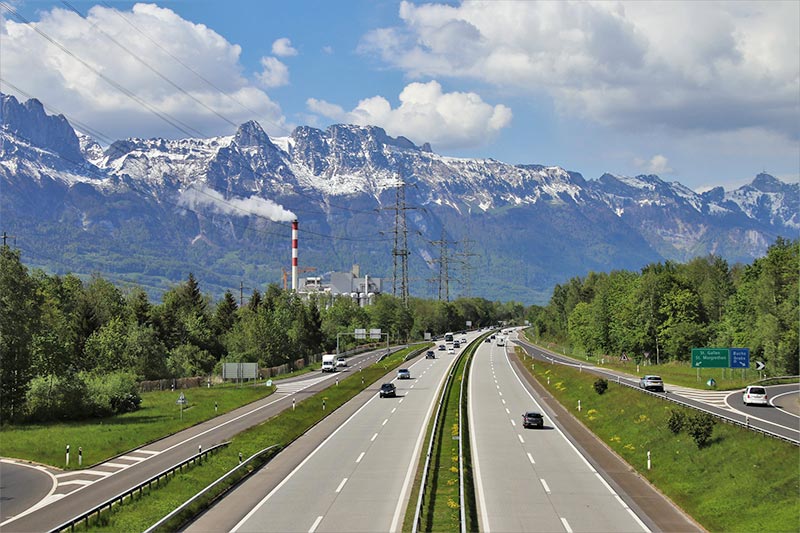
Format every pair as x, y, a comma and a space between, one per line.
388, 390
532, 419
430, 355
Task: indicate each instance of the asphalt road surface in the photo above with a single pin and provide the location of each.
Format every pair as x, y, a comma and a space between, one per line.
352, 473
531, 479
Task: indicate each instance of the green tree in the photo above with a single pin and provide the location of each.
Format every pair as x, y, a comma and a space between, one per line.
20, 311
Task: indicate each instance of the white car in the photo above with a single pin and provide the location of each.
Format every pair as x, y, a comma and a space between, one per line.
451, 350
341, 361
755, 395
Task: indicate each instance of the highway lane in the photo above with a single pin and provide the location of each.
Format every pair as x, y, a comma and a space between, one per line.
34, 483
93, 486
531, 479
724, 403
359, 477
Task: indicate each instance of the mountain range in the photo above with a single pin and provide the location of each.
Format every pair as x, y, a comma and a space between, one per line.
149, 211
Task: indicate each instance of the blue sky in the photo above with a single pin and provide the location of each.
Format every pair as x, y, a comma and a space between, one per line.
705, 94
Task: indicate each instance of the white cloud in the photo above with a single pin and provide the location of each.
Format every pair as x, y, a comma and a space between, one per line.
59, 80
426, 114
687, 66
283, 48
327, 49
658, 164
274, 73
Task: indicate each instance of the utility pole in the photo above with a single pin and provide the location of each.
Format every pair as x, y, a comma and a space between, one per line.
7, 236
466, 266
444, 267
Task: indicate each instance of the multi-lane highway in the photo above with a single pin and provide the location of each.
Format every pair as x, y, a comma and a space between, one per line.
357, 479
76, 492
531, 479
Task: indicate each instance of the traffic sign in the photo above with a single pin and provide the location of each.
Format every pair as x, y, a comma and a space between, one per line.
760, 365
740, 357
710, 358
181, 400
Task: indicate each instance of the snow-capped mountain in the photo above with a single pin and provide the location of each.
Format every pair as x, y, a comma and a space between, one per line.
123, 211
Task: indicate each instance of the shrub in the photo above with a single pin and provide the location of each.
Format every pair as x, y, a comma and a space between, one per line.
700, 427
600, 385
676, 421
56, 398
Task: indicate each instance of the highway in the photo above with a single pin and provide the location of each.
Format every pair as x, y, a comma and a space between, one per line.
357, 479
531, 479
77, 491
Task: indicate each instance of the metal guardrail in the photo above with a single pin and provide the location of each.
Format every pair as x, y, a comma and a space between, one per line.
429, 453
118, 499
202, 494
723, 418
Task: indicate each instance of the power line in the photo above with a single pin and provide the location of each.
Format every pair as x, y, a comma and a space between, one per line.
166, 117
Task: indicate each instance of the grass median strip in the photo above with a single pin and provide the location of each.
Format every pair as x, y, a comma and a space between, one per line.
142, 512
738, 480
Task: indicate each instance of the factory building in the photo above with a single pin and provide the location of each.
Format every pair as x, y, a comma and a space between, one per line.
360, 288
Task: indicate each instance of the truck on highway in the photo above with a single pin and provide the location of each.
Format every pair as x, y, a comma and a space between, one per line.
329, 362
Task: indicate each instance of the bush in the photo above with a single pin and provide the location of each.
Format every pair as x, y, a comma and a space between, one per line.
600, 386
112, 394
700, 427
676, 421
56, 398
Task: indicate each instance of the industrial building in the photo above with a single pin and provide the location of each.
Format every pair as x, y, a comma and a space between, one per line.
360, 288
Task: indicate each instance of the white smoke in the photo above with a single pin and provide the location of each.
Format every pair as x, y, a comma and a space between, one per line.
195, 197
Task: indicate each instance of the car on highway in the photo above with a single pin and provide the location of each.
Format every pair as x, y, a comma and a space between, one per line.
404, 373
388, 390
755, 395
442, 347
451, 350
653, 383
456, 344
487, 339
430, 354
463, 340
532, 419
341, 361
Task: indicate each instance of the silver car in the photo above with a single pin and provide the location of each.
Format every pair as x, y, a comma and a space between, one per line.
653, 383
403, 373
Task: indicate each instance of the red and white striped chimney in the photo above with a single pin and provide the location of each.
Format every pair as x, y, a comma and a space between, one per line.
294, 255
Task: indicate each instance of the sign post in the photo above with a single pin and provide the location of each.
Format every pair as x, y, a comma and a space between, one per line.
181, 401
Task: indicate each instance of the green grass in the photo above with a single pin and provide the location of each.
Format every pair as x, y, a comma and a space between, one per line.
741, 481
158, 417
673, 372
441, 508
144, 511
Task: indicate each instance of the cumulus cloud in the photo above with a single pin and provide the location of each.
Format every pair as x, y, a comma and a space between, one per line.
283, 48
426, 114
687, 66
658, 164
274, 73
196, 197
59, 80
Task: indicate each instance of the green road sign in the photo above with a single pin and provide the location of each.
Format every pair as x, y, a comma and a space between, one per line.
710, 358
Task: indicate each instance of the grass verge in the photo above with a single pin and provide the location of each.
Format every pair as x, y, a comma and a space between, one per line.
151, 506
158, 417
741, 481
441, 508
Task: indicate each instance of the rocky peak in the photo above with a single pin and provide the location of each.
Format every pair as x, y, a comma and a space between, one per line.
32, 124
250, 134
767, 183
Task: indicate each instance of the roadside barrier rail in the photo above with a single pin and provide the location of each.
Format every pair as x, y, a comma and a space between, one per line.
167, 524
725, 419
128, 493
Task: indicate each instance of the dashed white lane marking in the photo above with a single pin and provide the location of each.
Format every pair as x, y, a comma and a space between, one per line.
507, 411
513, 423
341, 485
360, 457
546, 487
401, 400
566, 525
502, 400
384, 422
148, 452
530, 458
520, 438
315, 524
393, 410
375, 436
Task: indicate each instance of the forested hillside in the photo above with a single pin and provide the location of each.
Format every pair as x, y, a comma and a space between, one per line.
666, 309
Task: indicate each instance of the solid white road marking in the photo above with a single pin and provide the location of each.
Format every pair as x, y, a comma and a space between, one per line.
339, 488
544, 484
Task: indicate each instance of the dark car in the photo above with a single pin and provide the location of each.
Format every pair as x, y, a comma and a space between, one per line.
532, 419
442, 347
388, 390
430, 355
487, 339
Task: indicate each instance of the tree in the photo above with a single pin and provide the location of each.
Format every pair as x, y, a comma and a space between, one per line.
225, 314
20, 311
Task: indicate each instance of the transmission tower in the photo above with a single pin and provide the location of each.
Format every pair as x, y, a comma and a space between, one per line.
466, 266
444, 267
400, 250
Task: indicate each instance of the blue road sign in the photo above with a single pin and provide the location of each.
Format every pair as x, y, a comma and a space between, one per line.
740, 357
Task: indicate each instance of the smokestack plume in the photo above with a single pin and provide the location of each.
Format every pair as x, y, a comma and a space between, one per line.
294, 255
